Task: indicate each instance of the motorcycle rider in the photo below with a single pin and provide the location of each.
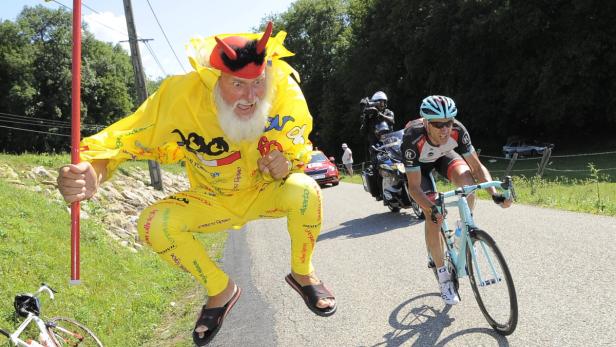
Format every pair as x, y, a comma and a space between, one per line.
375, 111
376, 119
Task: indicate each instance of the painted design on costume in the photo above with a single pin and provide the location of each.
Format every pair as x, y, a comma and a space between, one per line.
166, 249
197, 145
177, 262
216, 222
199, 271
311, 225
305, 197
265, 146
274, 122
317, 189
302, 257
237, 179
177, 198
198, 198
132, 132
310, 237
165, 218
143, 150
297, 134
148, 224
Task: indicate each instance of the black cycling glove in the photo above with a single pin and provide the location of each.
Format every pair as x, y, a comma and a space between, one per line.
498, 198
434, 211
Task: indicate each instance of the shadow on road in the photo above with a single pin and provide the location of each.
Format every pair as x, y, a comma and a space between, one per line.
370, 225
423, 319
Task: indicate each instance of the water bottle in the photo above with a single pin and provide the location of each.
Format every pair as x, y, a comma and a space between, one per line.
458, 233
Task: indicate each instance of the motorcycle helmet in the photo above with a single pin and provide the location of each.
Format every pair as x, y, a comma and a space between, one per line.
379, 96
438, 107
381, 128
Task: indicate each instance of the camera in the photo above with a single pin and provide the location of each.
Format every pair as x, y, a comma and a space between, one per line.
366, 103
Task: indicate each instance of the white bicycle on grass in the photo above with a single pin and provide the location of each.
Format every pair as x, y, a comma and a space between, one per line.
54, 332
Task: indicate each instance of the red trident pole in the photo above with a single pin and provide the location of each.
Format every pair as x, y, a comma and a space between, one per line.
75, 134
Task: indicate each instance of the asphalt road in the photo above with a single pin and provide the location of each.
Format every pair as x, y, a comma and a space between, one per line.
562, 265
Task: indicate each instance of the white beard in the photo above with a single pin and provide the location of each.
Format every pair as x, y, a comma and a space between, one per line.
239, 129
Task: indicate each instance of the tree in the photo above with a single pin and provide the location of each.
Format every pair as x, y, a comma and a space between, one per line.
35, 71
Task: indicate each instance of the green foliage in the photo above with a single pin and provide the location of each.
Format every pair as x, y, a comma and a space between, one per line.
35, 81
126, 298
531, 69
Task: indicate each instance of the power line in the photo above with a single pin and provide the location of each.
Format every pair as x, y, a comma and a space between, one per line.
35, 131
9, 117
166, 38
147, 45
93, 10
150, 49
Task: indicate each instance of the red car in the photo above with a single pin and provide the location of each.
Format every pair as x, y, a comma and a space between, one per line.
322, 169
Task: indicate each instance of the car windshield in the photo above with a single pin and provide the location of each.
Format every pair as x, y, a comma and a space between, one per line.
318, 157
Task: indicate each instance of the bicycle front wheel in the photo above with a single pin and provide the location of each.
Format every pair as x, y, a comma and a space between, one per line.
69, 332
492, 283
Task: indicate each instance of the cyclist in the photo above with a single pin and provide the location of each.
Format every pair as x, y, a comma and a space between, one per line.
241, 125
438, 141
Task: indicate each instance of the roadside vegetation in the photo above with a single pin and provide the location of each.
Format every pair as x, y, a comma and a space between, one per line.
126, 298
573, 183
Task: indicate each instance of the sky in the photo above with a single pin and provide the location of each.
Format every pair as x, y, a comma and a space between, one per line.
180, 20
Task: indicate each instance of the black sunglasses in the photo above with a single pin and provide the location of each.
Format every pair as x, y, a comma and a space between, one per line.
441, 125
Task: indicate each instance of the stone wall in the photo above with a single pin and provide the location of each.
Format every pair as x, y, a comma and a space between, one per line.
122, 198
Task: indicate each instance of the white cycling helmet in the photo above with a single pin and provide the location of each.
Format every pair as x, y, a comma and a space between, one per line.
438, 107
378, 96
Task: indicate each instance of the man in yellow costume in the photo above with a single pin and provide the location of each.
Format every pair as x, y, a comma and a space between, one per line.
240, 123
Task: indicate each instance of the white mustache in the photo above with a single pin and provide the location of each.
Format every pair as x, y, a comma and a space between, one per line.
245, 102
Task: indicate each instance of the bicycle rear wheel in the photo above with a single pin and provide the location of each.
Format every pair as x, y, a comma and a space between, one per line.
69, 332
492, 283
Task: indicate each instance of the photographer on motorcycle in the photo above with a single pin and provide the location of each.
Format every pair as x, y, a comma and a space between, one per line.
376, 119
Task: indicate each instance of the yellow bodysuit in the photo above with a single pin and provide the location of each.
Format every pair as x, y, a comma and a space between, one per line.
179, 122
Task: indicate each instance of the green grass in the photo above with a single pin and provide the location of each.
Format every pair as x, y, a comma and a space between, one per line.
577, 185
125, 297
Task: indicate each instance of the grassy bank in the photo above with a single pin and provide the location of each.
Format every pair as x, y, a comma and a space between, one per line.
126, 298
589, 191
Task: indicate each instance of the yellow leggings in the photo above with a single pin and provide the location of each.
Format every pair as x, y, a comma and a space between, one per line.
167, 225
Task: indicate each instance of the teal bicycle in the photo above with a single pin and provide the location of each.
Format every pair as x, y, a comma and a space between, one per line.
471, 251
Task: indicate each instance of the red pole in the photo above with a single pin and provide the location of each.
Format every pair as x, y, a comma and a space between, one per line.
75, 134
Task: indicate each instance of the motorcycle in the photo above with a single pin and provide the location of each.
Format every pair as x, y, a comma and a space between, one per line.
393, 187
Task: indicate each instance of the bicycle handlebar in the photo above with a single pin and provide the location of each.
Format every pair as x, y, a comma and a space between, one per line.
506, 185
46, 288
5, 333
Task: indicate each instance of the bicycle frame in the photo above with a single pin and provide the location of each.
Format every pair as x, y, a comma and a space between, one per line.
40, 323
458, 256
14, 337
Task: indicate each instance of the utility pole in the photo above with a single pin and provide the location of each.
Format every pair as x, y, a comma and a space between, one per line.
142, 93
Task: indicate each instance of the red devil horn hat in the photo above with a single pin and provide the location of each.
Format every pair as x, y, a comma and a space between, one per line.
239, 56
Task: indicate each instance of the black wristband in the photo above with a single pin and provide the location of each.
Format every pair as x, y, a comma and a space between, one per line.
498, 198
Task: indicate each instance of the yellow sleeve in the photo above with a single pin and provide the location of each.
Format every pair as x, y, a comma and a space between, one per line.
144, 135
291, 102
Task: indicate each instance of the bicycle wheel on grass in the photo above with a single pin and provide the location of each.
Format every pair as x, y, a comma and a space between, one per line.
69, 332
492, 283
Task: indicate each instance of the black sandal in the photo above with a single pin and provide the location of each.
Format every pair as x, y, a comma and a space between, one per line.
213, 318
312, 294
